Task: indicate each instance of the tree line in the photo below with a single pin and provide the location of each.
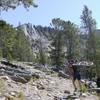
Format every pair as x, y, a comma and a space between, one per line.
14, 45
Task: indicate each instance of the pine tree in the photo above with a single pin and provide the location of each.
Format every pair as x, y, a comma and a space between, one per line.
71, 40
7, 34
57, 55
89, 25
7, 4
22, 49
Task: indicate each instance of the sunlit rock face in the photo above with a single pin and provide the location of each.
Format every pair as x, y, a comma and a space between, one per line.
38, 36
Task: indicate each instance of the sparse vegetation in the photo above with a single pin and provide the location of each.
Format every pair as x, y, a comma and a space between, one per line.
19, 96
2, 85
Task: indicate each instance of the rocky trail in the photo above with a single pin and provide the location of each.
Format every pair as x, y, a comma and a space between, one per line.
47, 86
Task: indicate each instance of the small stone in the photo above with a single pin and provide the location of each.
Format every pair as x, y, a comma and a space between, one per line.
12, 93
35, 88
66, 91
6, 78
2, 98
84, 94
77, 99
49, 95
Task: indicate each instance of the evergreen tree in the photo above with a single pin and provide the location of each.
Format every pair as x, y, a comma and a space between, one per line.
42, 56
89, 25
57, 55
7, 35
39, 51
6, 4
14, 45
71, 38
22, 49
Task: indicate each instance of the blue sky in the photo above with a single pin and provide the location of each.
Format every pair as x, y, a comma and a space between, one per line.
49, 9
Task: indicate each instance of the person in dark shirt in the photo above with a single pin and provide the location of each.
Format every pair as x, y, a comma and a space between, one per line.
75, 75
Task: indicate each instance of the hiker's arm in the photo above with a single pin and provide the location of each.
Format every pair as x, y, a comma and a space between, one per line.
71, 71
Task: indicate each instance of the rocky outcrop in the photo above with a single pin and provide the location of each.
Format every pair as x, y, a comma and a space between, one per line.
19, 73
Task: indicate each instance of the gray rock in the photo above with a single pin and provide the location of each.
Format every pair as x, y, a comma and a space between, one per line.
2, 98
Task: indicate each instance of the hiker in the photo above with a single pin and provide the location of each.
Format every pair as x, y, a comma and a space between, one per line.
75, 75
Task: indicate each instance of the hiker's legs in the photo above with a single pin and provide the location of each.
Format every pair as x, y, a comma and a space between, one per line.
79, 84
79, 81
75, 87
